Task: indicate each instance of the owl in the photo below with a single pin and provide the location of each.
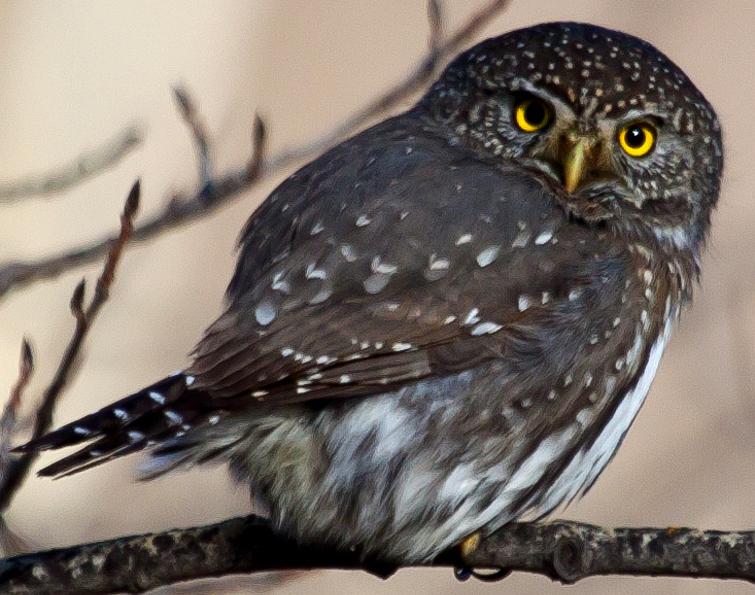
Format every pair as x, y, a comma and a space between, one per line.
449, 321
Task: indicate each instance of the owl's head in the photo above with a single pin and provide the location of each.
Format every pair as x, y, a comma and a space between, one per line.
604, 118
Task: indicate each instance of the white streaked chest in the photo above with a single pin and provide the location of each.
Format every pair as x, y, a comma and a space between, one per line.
587, 464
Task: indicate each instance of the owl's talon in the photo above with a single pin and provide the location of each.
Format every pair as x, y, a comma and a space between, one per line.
497, 574
463, 574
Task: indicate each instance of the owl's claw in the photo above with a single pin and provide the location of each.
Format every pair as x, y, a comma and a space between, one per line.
462, 574
468, 546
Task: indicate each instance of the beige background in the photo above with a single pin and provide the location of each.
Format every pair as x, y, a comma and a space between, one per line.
73, 73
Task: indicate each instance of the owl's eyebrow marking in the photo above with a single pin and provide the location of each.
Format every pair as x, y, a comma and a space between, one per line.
657, 117
558, 103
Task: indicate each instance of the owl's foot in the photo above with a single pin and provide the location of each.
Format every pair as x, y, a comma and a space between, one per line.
467, 547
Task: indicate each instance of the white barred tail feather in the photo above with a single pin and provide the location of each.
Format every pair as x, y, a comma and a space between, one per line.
155, 414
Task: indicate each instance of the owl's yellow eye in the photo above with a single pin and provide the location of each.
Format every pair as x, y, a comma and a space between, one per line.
638, 139
532, 115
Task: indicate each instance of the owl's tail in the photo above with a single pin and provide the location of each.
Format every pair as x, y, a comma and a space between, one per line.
161, 412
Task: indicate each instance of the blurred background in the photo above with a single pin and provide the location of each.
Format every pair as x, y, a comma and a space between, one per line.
72, 74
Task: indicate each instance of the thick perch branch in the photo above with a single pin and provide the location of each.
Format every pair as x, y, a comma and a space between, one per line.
563, 551
220, 190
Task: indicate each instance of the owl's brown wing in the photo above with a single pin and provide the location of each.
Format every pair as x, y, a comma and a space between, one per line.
393, 259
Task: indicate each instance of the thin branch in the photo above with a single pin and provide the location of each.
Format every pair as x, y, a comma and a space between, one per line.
223, 189
259, 149
436, 21
16, 471
563, 551
9, 418
89, 164
193, 120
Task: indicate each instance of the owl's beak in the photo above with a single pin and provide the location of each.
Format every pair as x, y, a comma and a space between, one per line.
575, 161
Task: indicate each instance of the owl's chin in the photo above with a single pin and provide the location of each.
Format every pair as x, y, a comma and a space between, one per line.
587, 208
592, 203
596, 201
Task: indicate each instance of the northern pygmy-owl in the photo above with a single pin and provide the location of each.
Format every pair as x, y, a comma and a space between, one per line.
450, 320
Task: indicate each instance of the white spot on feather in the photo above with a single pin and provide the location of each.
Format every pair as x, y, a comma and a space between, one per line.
376, 283
378, 266
156, 397
473, 316
486, 328
312, 272
439, 263
348, 252
265, 312
173, 417
520, 241
488, 256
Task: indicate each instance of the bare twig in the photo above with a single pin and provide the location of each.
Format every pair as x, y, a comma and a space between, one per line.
563, 551
10, 542
15, 471
259, 145
191, 117
223, 189
9, 418
85, 166
436, 22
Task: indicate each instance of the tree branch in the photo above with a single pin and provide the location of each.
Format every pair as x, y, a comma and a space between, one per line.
9, 418
85, 166
563, 551
219, 191
15, 470
193, 120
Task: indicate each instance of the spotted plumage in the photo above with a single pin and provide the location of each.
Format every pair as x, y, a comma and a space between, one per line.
449, 321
